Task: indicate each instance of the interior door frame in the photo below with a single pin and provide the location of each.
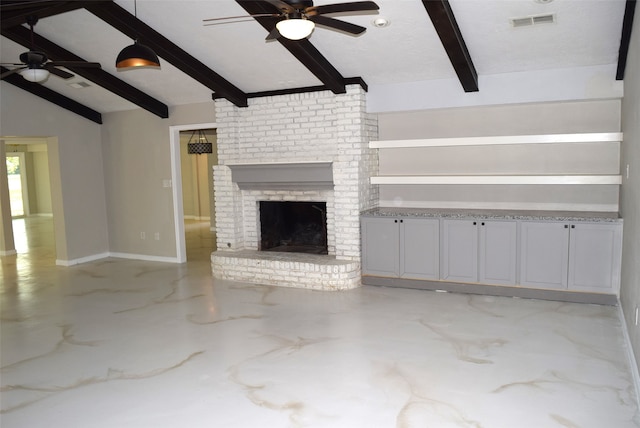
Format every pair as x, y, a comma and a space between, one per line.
176, 183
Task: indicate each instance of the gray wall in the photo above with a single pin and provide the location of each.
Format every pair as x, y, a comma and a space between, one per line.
630, 189
519, 119
75, 167
137, 159
41, 203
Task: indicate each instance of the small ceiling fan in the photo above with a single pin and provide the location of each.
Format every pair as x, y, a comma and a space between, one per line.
36, 67
297, 18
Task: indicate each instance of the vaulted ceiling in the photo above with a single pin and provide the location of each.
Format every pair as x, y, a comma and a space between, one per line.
425, 40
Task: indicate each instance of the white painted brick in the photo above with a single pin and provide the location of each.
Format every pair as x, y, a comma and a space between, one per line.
295, 128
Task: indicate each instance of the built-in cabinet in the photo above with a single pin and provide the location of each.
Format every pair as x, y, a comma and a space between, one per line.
475, 250
573, 256
401, 247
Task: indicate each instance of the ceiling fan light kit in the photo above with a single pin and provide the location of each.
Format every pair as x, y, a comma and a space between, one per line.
295, 29
298, 18
35, 75
137, 55
35, 66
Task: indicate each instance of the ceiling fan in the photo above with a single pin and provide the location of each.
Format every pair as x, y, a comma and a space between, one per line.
297, 18
36, 67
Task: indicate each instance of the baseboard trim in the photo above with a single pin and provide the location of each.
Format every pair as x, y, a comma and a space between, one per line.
633, 362
494, 290
130, 256
81, 260
145, 257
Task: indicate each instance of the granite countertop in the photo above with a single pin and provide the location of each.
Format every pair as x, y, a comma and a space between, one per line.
494, 214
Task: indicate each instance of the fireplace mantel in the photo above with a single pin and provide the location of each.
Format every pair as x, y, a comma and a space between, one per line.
283, 176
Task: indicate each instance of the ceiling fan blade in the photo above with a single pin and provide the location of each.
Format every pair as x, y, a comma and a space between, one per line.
58, 72
337, 24
273, 34
239, 18
83, 64
10, 72
347, 7
287, 8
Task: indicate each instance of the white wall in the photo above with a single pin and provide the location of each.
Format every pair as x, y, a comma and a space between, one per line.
630, 189
582, 83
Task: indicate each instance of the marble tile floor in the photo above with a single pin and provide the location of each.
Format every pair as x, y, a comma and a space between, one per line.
122, 343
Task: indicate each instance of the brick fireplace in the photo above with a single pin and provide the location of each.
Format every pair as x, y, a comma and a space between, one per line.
310, 147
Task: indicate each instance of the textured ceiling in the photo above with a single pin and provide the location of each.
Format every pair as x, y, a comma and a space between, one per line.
586, 33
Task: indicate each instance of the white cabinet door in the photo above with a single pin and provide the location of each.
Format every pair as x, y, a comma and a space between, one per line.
595, 251
459, 250
419, 248
380, 246
497, 252
544, 254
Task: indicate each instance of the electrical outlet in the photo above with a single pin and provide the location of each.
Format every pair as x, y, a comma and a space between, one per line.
143, 235
156, 236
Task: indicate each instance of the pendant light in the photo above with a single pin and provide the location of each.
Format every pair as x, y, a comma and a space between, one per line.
200, 146
137, 54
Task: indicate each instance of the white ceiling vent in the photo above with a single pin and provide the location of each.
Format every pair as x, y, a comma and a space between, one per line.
533, 20
79, 85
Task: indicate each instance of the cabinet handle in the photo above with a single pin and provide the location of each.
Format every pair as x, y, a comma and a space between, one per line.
566, 226
573, 226
474, 223
483, 223
401, 221
395, 221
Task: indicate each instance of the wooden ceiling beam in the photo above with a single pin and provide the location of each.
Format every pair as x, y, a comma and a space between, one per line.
447, 28
303, 50
53, 97
15, 13
129, 25
625, 39
22, 35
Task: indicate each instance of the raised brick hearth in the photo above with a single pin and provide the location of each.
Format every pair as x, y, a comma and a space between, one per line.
297, 128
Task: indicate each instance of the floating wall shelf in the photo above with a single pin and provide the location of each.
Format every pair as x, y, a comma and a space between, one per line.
499, 179
524, 179
602, 137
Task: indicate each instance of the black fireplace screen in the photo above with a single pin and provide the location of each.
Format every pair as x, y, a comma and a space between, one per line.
299, 227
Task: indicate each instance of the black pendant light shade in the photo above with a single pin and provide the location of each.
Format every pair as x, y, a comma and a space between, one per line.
137, 55
200, 146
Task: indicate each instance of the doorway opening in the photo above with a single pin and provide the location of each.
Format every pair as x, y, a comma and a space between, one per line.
17, 184
192, 177
30, 198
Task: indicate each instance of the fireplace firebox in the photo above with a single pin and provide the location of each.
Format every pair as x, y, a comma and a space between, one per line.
299, 227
